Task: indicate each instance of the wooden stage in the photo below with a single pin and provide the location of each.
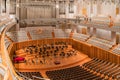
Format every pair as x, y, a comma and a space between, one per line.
78, 59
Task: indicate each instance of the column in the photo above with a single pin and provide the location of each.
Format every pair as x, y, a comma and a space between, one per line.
94, 31
99, 4
88, 30
57, 9
113, 37
67, 9
17, 27
17, 15
0, 6
78, 28
8, 6
17, 9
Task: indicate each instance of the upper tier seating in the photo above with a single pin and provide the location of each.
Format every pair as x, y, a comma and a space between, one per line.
80, 37
104, 44
38, 29
40, 34
18, 36
30, 75
72, 73
3, 22
1, 28
59, 33
103, 67
7, 42
116, 50
68, 30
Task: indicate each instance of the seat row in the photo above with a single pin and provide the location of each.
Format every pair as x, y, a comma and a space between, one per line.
59, 33
40, 34
29, 75
116, 50
18, 36
101, 67
104, 44
7, 42
80, 37
72, 73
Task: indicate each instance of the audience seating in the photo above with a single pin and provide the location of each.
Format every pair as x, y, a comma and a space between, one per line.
59, 33
72, 73
68, 31
41, 34
18, 36
29, 75
1, 28
7, 42
81, 37
116, 50
104, 44
103, 67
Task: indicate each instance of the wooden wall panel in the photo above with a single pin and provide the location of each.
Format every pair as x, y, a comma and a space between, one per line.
82, 47
11, 50
91, 51
105, 55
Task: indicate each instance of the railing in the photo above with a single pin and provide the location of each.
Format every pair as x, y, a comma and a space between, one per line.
22, 76
25, 77
35, 77
4, 72
116, 50
81, 37
5, 56
104, 44
11, 71
100, 24
17, 36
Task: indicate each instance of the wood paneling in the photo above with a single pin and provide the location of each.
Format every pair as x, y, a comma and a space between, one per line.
91, 51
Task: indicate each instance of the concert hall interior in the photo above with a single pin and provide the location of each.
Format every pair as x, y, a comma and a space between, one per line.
59, 39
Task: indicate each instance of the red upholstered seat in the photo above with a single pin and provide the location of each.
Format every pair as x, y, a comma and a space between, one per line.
18, 59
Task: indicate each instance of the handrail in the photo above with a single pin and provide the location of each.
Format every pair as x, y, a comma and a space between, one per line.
6, 71
3, 16
40, 78
5, 55
29, 78
24, 76
5, 21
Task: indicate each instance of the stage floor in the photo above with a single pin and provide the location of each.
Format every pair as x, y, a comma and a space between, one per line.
49, 65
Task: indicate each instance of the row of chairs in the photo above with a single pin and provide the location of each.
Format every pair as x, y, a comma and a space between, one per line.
80, 37
7, 42
116, 50
106, 69
104, 44
18, 36
40, 34
72, 73
59, 33
29, 75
